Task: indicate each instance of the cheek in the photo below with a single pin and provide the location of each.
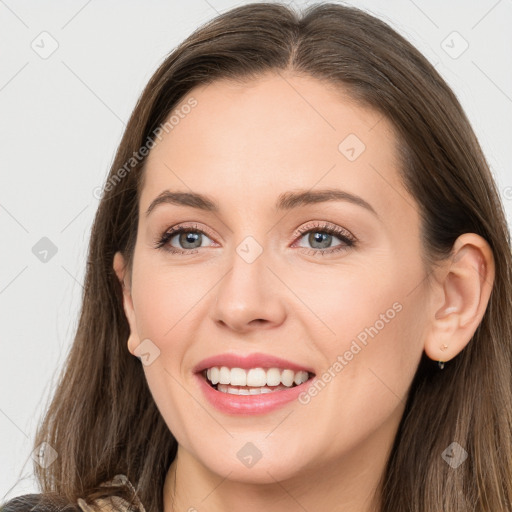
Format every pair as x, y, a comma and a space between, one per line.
371, 364
167, 303
164, 299
355, 304
375, 340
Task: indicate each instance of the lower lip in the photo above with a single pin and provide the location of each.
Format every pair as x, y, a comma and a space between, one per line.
249, 404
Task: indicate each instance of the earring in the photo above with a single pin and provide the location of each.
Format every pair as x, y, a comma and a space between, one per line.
441, 363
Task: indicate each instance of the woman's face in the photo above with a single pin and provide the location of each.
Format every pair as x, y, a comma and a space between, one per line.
250, 278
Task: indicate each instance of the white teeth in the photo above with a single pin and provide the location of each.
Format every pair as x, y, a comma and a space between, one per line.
247, 391
255, 377
214, 375
273, 377
298, 379
238, 377
224, 376
287, 377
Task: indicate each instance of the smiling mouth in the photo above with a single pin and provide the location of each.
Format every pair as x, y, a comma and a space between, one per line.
287, 379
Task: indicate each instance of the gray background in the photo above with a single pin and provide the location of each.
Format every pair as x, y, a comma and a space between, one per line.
62, 117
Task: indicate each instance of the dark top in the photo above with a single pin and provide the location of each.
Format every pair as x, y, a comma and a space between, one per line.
35, 503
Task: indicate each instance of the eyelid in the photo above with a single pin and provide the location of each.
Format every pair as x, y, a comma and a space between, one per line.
325, 225
190, 226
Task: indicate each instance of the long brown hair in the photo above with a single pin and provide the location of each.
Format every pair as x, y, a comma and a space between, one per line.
102, 419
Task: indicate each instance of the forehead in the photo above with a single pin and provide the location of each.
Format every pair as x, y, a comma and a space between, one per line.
246, 143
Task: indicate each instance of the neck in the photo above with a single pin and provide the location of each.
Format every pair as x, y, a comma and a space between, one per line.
350, 482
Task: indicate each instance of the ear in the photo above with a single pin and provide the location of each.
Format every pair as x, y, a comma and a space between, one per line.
460, 297
120, 269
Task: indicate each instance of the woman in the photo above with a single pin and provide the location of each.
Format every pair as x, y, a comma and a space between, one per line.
301, 243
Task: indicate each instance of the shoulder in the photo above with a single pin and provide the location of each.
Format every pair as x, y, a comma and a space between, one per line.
35, 503
41, 503
110, 504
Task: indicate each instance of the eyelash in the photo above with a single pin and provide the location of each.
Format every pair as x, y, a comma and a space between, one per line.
330, 229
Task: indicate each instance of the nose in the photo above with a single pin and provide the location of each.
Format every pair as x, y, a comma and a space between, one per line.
249, 295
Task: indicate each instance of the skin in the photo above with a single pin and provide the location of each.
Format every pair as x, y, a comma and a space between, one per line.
243, 145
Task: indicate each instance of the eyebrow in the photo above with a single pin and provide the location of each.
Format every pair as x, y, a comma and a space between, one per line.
285, 201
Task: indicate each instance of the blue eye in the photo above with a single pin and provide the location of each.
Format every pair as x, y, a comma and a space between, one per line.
186, 236
323, 235
191, 239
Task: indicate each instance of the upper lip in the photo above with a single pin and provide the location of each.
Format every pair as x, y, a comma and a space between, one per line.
255, 360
